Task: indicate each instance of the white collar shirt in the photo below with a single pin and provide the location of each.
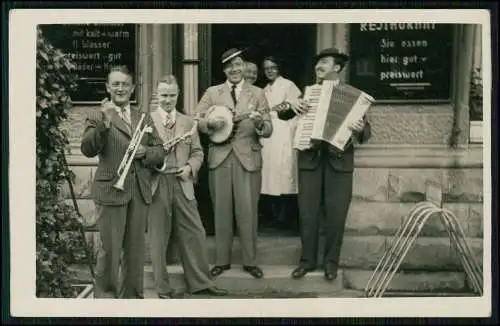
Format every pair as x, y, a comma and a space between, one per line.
238, 88
167, 116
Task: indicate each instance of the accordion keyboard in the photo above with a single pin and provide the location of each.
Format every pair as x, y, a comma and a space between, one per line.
305, 125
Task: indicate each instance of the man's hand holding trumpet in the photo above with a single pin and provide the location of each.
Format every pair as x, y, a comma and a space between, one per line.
109, 110
141, 150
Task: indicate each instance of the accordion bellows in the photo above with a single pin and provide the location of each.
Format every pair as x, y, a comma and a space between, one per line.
333, 109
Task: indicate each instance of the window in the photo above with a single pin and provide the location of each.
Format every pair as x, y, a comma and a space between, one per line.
408, 62
94, 48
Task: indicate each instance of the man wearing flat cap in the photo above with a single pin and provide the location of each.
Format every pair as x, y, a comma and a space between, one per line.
325, 179
235, 164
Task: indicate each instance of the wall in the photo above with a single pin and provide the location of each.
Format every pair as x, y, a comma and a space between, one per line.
411, 124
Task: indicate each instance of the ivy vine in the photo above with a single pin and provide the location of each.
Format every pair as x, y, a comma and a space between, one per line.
58, 243
476, 95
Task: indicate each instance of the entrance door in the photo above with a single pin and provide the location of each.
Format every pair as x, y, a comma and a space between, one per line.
293, 44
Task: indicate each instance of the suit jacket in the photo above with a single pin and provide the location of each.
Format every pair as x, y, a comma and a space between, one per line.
340, 161
187, 152
245, 142
110, 146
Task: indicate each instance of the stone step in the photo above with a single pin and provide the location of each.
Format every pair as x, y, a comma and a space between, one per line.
267, 294
278, 283
345, 293
410, 282
276, 279
358, 252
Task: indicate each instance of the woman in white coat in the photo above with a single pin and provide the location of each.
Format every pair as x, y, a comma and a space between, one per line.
279, 169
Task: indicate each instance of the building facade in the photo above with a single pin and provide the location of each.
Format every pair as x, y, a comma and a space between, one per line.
420, 75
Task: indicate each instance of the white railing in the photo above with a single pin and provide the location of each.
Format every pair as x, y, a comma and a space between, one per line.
405, 238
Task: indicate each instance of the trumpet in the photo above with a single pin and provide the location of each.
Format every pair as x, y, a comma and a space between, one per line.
174, 141
128, 158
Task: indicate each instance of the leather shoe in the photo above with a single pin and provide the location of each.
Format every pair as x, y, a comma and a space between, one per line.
217, 270
254, 271
330, 273
300, 271
215, 291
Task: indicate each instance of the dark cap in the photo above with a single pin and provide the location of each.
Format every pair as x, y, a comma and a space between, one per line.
331, 52
230, 54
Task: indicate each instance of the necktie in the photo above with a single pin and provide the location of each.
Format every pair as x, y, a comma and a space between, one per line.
125, 116
126, 119
233, 93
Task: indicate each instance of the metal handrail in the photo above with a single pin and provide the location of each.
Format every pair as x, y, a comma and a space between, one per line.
81, 229
388, 254
405, 238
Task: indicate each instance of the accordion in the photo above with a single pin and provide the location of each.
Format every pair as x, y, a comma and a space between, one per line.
332, 109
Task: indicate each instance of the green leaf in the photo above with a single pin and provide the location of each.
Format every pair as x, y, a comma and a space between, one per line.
46, 94
42, 103
57, 245
43, 55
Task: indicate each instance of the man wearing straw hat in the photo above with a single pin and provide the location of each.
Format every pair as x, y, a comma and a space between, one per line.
235, 165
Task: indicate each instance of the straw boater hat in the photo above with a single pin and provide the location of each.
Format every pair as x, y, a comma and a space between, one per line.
331, 52
230, 54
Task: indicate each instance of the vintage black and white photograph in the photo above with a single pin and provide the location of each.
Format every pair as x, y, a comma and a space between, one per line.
333, 158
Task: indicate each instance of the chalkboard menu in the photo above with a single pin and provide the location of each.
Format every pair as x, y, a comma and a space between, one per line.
403, 61
94, 48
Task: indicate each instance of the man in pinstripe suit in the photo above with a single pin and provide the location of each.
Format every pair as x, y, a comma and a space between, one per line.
121, 215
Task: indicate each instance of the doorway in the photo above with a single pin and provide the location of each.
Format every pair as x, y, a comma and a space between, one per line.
293, 44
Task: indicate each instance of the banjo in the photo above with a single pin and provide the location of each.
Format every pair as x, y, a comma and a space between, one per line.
231, 120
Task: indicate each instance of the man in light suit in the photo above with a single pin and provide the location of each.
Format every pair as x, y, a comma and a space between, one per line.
325, 178
235, 165
121, 213
174, 204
